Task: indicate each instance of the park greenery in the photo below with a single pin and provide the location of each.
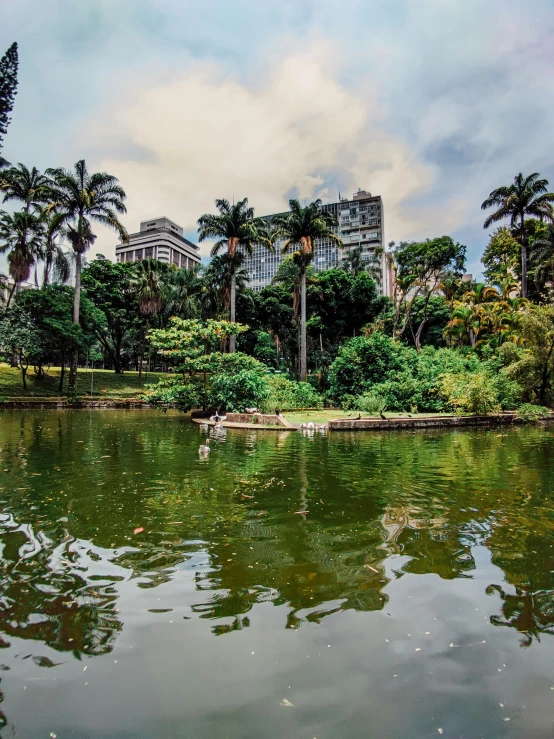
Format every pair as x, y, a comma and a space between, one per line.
439, 343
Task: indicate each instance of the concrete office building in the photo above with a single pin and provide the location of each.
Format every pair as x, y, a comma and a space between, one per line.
360, 224
159, 239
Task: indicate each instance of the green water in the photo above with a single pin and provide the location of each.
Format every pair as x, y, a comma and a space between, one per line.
390, 586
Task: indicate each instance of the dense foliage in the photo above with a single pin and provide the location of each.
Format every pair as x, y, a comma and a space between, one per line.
441, 342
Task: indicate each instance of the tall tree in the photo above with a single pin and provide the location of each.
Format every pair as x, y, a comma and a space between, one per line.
424, 265
26, 185
107, 284
22, 235
237, 231
55, 260
148, 285
527, 196
301, 228
183, 296
8, 88
78, 198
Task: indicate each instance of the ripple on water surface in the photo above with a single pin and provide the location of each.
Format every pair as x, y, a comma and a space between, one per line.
288, 585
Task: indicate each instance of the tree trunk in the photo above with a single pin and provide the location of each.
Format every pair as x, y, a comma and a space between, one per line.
77, 297
76, 310
232, 339
417, 337
62, 372
23, 374
46, 275
303, 356
11, 296
523, 259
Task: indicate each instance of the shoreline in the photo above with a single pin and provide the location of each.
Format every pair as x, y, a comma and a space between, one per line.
280, 423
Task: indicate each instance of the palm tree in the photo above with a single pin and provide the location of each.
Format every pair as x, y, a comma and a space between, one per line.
23, 236
216, 284
148, 286
183, 293
54, 258
543, 259
237, 231
527, 196
79, 198
301, 228
27, 185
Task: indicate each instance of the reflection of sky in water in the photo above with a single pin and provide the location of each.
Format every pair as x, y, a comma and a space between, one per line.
401, 582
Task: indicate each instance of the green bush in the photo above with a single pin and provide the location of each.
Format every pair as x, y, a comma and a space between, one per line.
235, 392
508, 391
363, 362
288, 395
371, 403
529, 412
173, 390
469, 392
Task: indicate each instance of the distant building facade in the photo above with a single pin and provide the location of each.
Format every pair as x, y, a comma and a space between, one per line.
360, 224
161, 239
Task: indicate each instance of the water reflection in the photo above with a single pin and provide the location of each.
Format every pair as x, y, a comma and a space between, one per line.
315, 526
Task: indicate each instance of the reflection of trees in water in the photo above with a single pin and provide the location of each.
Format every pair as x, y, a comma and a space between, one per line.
431, 497
49, 594
530, 612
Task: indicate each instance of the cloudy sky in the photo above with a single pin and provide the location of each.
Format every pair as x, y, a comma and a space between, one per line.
430, 103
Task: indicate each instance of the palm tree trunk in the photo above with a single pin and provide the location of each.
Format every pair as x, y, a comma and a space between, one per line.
232, 339
11, 295
77, 297
303, 357
76, 310
523, 259
46, 275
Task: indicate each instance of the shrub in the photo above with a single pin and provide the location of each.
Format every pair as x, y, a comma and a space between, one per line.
363, 362
529, 412
371, 403
286, 394
175, 391
235, 392
508, 391
469, 392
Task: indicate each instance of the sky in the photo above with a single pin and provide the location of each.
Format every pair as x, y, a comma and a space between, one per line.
430, 104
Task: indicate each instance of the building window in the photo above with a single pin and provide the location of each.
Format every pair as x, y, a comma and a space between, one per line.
139, 254
149, 252
176, 258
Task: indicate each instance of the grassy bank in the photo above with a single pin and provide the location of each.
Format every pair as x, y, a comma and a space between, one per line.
326, 415
106, 383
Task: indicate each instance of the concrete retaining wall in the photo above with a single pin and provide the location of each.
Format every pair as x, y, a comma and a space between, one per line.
390, 424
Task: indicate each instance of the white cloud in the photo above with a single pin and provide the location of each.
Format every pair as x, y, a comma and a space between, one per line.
202, 134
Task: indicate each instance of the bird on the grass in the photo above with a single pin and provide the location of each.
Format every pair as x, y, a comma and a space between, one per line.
358, 417
382, 416
204, 449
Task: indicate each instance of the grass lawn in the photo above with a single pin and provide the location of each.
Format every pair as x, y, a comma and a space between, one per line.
106, 383
327, 414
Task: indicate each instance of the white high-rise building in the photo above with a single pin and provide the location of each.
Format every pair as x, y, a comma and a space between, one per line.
162, 239
360, 225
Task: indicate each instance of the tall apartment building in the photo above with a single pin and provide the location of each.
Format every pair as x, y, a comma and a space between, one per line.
360, 224
159, 239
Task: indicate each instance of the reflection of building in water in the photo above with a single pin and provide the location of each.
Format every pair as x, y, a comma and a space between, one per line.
397, 518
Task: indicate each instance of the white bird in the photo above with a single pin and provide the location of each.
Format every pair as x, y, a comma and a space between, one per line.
204, 449
251, 410
204, 427
311, 425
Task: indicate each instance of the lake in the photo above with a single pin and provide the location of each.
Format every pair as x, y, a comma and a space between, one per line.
383, 585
